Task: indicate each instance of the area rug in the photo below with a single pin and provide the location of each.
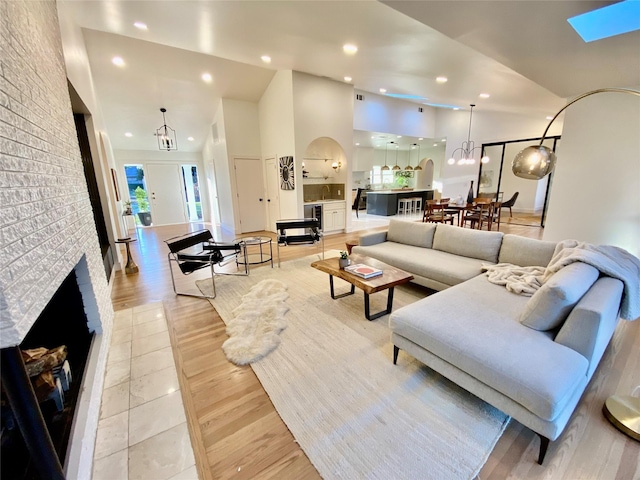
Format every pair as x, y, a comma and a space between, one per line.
354, 413
257, 321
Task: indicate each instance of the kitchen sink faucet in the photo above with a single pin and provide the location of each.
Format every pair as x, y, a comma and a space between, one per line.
328, 190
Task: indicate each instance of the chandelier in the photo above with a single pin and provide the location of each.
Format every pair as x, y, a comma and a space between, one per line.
467, 148
166, 135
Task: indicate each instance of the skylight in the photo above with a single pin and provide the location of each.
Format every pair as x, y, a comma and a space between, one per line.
609, 21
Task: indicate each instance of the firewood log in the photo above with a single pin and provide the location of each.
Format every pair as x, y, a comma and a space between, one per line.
52, 358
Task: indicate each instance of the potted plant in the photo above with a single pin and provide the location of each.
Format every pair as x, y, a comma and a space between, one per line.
344, 261
143, 206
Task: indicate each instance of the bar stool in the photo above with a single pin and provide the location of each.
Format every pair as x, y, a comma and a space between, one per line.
416, 204
404, 205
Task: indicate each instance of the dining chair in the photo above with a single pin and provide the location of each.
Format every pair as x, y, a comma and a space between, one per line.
435, 212
496, 213
480, 215
510, 203
356, 202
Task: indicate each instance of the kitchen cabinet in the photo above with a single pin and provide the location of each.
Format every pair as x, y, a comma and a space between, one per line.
334, 216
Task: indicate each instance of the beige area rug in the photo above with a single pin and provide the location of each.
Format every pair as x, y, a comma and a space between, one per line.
354, 413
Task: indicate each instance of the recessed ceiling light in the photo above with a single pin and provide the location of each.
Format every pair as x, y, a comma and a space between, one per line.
456, 108
349, 49
441, 79
128, 134
357, 144
443, 140
549, 117
347, 79
118, 61
140, 25
383, 90
265, 58
190, 139
435, 144
373, 136
207, 77
399, 136
421, 138
484, 95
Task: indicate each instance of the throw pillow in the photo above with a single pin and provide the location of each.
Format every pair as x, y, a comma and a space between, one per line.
549, 307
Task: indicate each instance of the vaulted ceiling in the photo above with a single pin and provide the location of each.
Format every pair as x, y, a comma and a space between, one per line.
523, 53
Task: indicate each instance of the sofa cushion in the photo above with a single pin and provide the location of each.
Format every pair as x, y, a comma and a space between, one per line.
468, 243
526, 252
551, 304
442, 267
411, 233
482, 336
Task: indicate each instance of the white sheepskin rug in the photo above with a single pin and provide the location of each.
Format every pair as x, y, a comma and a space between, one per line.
258, 320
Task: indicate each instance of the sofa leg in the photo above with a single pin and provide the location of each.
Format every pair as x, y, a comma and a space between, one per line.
544, 444
395, 354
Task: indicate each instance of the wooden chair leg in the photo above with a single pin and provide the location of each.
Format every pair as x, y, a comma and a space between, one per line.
395, 354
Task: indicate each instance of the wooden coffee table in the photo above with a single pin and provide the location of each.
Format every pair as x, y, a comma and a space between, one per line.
390, 277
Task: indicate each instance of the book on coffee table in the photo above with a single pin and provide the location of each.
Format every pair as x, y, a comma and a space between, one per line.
362, 270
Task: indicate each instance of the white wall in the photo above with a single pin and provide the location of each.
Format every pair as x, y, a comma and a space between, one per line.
223, 178
379, 113
486, 127
242, 137
78, 71
277, 133
322, 108
595, 195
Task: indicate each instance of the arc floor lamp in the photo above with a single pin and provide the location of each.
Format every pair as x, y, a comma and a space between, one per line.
534, 163
537, 161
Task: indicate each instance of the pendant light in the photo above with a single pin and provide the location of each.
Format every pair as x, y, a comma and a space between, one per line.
418, 167
409, 167
166, 135
396, 167
386, 150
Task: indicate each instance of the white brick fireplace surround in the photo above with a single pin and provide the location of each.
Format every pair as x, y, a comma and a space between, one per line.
46, 220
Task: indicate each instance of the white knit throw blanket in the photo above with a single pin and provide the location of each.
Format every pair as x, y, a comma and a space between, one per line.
611, 261
521, 280
608, 259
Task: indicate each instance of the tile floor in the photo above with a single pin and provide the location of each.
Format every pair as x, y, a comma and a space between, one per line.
142, 432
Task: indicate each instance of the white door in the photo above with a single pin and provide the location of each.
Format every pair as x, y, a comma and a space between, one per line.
164, 184
273, 197
250, 191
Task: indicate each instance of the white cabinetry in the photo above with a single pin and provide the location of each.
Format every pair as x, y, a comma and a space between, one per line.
333, 216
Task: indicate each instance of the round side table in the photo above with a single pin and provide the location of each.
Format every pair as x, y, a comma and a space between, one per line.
350, 244
131, 266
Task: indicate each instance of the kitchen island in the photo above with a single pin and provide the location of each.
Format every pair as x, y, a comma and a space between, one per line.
385, 202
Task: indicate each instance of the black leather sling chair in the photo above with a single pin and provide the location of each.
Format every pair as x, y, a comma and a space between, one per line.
195, 250
312, 234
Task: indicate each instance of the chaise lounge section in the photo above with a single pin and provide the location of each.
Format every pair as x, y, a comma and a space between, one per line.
531, 357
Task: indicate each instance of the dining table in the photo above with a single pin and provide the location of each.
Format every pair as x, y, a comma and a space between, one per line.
459, 208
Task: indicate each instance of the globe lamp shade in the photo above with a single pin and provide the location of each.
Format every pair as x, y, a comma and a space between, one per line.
534, 162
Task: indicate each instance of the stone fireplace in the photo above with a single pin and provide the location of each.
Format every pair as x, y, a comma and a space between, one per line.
47, 228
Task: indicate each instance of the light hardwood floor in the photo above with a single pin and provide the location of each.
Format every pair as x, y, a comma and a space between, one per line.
236, 432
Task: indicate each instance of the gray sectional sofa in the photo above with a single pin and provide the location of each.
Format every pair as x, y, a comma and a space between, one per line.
531, 357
